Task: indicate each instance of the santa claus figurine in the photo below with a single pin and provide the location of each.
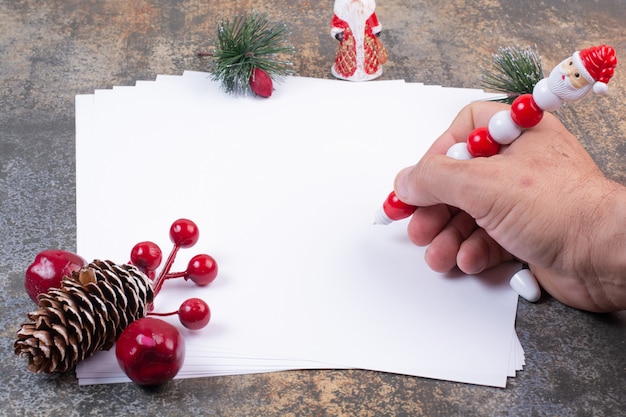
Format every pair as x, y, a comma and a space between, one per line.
361, 54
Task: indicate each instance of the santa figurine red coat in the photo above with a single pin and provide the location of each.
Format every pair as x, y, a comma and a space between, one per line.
361, 54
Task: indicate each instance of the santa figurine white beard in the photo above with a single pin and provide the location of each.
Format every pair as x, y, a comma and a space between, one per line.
360, 55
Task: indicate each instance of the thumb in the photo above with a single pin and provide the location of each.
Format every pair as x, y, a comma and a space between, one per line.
438, 179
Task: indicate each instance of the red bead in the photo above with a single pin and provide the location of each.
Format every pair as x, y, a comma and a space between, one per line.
396, 209
525, 112
480, 143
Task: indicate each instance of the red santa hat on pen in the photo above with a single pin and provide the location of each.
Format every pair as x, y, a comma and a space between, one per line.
596, 65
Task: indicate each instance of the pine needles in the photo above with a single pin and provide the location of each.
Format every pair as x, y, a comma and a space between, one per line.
247, 42
515, 71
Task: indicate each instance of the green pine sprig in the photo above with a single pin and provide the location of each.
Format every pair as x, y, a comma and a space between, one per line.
515, 71
247, 42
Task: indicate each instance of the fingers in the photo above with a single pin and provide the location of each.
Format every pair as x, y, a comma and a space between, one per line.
438, 184
427, 222
454, 196
480, 252
442, 253
454, 239
461, 244
437, 179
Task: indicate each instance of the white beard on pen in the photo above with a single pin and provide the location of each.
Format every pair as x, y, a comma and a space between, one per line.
560, 85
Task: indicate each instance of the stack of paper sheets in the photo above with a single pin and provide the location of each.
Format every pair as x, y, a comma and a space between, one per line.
284, 192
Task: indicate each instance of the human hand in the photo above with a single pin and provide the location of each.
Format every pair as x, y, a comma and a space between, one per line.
542, 200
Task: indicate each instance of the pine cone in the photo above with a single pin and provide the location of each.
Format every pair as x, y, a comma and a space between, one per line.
87, 314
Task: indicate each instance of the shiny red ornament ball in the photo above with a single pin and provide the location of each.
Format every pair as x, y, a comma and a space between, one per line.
480, 143
525, 112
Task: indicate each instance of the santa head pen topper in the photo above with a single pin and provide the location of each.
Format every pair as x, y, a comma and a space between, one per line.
361, 54
586, 70
574, 77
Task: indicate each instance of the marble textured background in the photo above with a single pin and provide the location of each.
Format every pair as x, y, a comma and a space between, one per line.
51, 50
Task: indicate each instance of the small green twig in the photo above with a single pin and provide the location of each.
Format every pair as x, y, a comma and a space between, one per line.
515, 71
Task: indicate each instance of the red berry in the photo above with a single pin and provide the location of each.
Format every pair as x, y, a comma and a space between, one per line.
396, 209
48, 269
194, 313
261, 83
146, 256
525, 112
480, 143
184, 233
201, 269
150, 351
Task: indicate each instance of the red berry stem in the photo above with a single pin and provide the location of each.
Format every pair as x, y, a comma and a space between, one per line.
158, 283
193, 313
181, 274
171, 313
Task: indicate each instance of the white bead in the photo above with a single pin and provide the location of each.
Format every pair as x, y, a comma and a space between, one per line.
525, 284
545, 98
459, 151
502, 128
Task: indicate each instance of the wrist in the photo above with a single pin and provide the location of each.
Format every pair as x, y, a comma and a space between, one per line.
608, 247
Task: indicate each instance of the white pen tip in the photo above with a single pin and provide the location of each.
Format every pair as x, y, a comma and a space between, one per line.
380, 217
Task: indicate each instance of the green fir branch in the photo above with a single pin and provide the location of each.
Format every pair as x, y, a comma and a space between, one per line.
515, 71
247, 42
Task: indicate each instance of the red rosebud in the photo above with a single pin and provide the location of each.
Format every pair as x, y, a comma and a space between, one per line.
261, 83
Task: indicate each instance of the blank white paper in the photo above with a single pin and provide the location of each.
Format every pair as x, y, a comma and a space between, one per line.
284, 191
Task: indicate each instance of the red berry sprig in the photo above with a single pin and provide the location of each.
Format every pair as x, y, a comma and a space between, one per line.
201, 269
194, 313
150, 350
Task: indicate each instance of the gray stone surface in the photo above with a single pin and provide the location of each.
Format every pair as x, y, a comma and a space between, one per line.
51, 50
